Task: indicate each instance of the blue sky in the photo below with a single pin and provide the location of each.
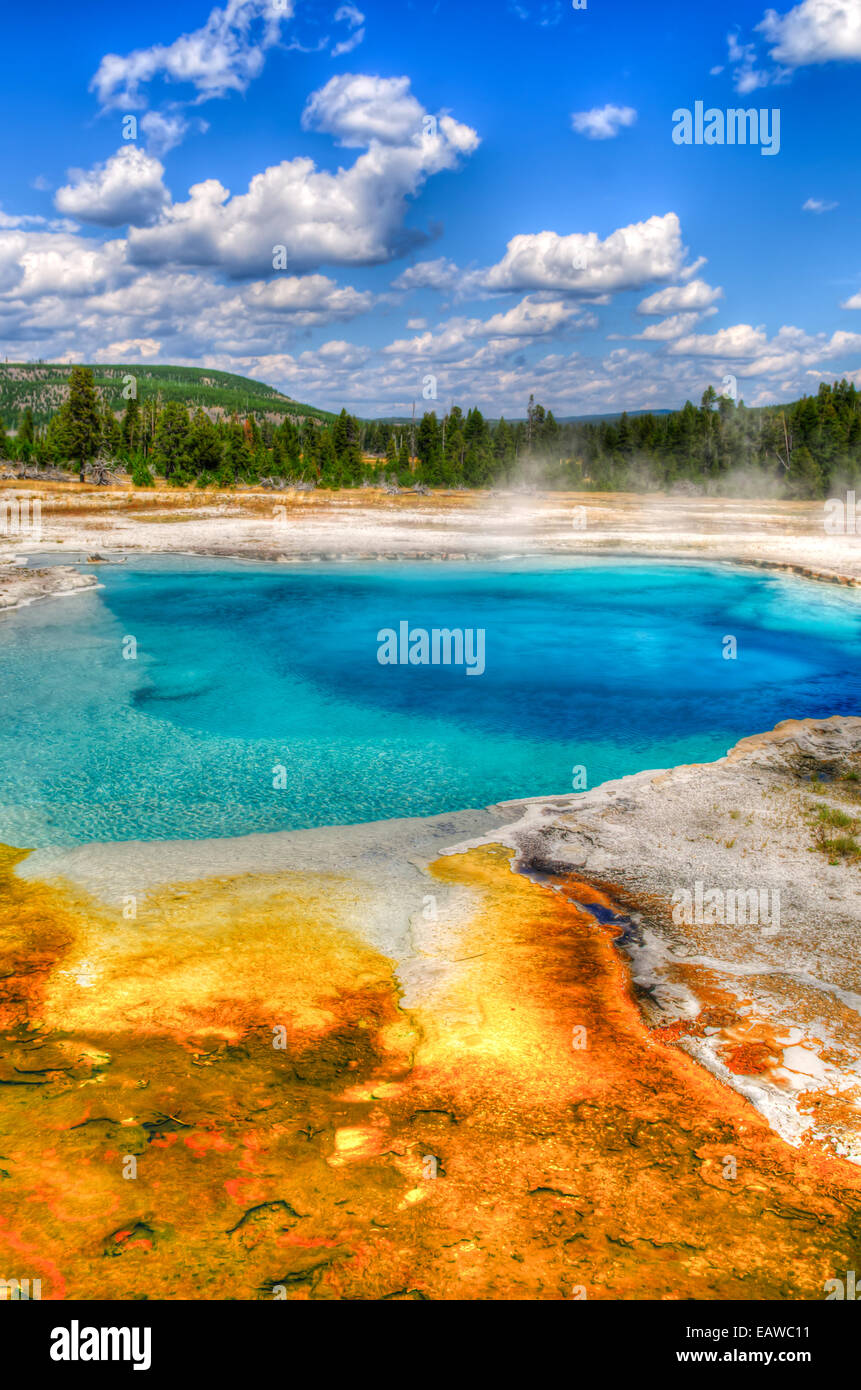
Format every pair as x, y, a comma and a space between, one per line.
473, 201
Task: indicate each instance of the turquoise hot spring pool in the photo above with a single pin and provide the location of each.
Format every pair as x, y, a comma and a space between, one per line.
256, 701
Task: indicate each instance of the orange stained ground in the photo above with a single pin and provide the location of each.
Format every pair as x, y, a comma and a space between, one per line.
519, 1134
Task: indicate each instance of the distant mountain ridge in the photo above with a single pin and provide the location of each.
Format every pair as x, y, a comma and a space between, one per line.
609, 417
43, 387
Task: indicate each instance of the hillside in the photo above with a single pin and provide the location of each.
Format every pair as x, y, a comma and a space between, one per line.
43, 386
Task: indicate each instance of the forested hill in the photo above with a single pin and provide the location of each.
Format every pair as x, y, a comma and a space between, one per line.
42, 388
802, 449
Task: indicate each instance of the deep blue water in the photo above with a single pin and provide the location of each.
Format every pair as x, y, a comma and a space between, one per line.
243, 668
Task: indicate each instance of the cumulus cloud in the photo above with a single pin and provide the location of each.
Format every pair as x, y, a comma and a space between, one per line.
673, 327
741, 341
64, 288
36, 264
696, 294
441, 274
629, 258
126, 189
853, 303
357, 109
352, 217
313, 298
603, 122
790, 350
818, 205
816, 31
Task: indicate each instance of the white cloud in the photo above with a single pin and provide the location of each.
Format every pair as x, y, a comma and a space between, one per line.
853, 303
629, 258
348, 14
818, 205
498, 374
223, 56
790, 350
530, 319
670, 328
696, 294
741, 341
128, 188
352, 217
8, 221
357, 109
347, 45
78, 295
130, 347
603, 122
816, 31
166, 129
38, 264
747, 76
259, 328
306, 295
440, 274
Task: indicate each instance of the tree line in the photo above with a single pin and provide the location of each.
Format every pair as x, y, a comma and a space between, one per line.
798, 450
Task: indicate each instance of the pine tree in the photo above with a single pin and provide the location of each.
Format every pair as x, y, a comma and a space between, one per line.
290, 446
169, 443
429, 448
131, 426
327, 460
27, 429
203, 446
112, 438
80, 424
237, 455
